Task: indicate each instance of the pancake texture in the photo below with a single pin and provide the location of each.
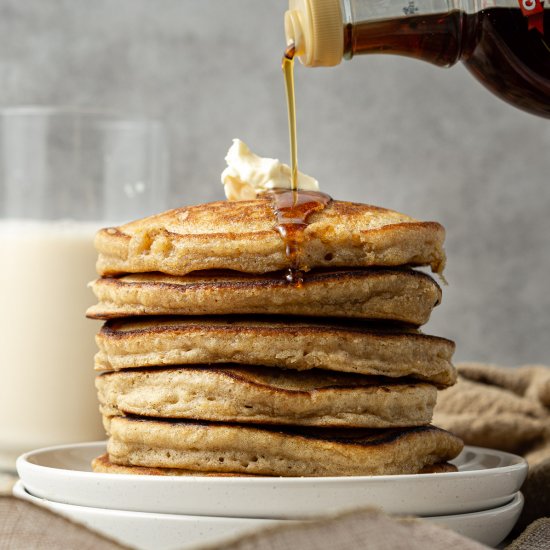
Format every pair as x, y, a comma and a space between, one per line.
400, 295
102, 464
241, 236
280, 452
297, 345
213, 364
266, 396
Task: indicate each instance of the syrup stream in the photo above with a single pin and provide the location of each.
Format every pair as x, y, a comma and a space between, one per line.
288, 71
292, 207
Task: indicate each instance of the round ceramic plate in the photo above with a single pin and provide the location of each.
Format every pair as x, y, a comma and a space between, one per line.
486, 479
489, 527
149, 531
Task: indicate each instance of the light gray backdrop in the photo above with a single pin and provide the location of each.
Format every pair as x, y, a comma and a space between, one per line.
385, 130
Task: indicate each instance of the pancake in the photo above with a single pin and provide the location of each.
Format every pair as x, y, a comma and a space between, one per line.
399, 295
102, 464
277, 451
297, 345
267, 396
241, 236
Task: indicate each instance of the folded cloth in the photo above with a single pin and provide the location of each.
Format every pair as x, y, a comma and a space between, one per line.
364, 529
24, 526
535, 537
506, 409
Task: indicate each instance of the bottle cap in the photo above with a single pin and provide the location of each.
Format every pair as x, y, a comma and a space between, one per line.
316, 28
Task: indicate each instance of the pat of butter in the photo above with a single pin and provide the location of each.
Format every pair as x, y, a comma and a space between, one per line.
247, 175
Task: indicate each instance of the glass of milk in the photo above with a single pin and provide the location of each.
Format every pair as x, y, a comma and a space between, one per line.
64, 173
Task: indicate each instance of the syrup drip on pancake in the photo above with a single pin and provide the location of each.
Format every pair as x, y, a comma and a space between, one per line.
292, 210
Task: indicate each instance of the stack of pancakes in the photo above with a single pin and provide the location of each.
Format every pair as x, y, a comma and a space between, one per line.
215, 364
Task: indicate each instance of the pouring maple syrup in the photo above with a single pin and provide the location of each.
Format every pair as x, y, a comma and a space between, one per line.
292, 207
288, 72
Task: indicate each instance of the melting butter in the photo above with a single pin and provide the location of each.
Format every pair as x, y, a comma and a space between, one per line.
247, 174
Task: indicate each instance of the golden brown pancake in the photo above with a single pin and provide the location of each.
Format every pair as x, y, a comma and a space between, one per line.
400, 295
241, 236
295, 344
267, 396
102, 464
290, 451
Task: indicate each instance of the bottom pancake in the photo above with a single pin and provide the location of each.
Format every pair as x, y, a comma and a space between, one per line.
103, 465
277, 451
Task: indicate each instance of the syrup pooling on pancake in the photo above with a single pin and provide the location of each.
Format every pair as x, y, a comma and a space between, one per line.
292, 210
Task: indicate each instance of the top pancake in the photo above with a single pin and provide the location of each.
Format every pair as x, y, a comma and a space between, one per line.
241, 235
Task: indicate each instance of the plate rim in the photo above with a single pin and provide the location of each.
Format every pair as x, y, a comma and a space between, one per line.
517, 500
19, 487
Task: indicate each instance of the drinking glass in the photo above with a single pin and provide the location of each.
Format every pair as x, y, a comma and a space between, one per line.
64, 173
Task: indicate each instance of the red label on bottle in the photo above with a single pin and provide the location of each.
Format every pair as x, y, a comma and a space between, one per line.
534, 11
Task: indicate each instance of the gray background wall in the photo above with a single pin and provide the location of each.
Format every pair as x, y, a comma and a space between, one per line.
394, 132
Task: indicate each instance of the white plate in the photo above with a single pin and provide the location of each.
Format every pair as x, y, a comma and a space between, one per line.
148, 531
486, 479
489, 527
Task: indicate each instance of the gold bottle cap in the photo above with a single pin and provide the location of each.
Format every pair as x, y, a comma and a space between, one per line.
316, 28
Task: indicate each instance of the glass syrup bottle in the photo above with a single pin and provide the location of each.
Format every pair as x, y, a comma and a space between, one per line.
505, 44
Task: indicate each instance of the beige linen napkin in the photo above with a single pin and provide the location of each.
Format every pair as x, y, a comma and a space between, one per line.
535, 537
506, 409
24, 526
361, 530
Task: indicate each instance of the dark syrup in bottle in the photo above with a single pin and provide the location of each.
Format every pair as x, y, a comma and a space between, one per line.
510, 59
498, 45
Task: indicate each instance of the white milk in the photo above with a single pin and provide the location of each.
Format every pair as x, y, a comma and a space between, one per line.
47, 393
